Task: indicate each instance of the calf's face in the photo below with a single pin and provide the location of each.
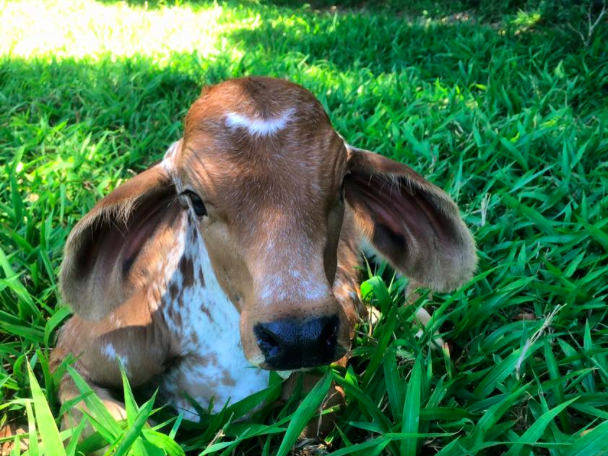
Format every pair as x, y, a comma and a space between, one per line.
266, 181
263, 171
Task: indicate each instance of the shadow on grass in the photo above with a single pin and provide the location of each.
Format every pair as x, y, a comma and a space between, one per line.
384, 82
432, 38
333, 56
133, 97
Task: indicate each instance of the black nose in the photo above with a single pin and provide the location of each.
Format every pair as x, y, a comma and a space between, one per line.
292, 344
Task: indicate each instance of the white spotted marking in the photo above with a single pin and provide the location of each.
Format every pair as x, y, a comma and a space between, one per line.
111, 353
314, 290
259, 127
305, 282
310, 288
206, 323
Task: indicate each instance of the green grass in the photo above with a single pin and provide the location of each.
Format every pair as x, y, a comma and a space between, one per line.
504, 106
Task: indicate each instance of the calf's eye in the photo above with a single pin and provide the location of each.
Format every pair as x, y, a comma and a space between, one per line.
197, 203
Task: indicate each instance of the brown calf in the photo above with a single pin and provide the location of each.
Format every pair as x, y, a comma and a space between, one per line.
240, 248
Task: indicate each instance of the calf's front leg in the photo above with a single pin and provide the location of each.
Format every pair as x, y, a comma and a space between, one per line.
139, 343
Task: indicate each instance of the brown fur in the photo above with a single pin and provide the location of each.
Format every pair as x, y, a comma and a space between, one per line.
279, 194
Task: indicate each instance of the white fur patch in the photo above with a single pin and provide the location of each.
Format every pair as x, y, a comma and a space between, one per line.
111, 353
289, 267
168, 162
284, 374
259, 127
171, 153
368, 249
275, 288
213, 364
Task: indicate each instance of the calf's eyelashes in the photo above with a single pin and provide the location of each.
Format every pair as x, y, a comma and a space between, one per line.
197, 203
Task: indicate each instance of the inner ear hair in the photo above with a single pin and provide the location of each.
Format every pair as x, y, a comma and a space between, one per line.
103, 248
412, 223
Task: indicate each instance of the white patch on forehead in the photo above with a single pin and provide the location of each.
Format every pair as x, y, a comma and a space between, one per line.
259, 127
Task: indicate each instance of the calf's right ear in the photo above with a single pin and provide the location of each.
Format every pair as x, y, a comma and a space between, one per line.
102, 264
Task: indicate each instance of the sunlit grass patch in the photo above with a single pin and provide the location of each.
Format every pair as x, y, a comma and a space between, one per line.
87, 28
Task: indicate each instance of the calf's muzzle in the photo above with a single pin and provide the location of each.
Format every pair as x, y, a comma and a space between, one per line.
290, 344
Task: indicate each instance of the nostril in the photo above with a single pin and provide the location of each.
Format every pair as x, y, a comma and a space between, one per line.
267, 341
329, 333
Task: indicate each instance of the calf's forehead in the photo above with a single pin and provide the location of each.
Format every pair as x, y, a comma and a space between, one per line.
261, 145
260, 98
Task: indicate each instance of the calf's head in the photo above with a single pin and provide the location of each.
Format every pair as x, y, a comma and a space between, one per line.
265, 180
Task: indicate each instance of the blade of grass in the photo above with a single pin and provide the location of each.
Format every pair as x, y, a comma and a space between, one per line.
534, 432
594, 442
304, 413
411, 409
49, 433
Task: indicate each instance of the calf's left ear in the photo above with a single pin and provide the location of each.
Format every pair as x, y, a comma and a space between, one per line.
415, 225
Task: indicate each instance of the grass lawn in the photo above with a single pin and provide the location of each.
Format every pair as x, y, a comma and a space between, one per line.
504, 106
